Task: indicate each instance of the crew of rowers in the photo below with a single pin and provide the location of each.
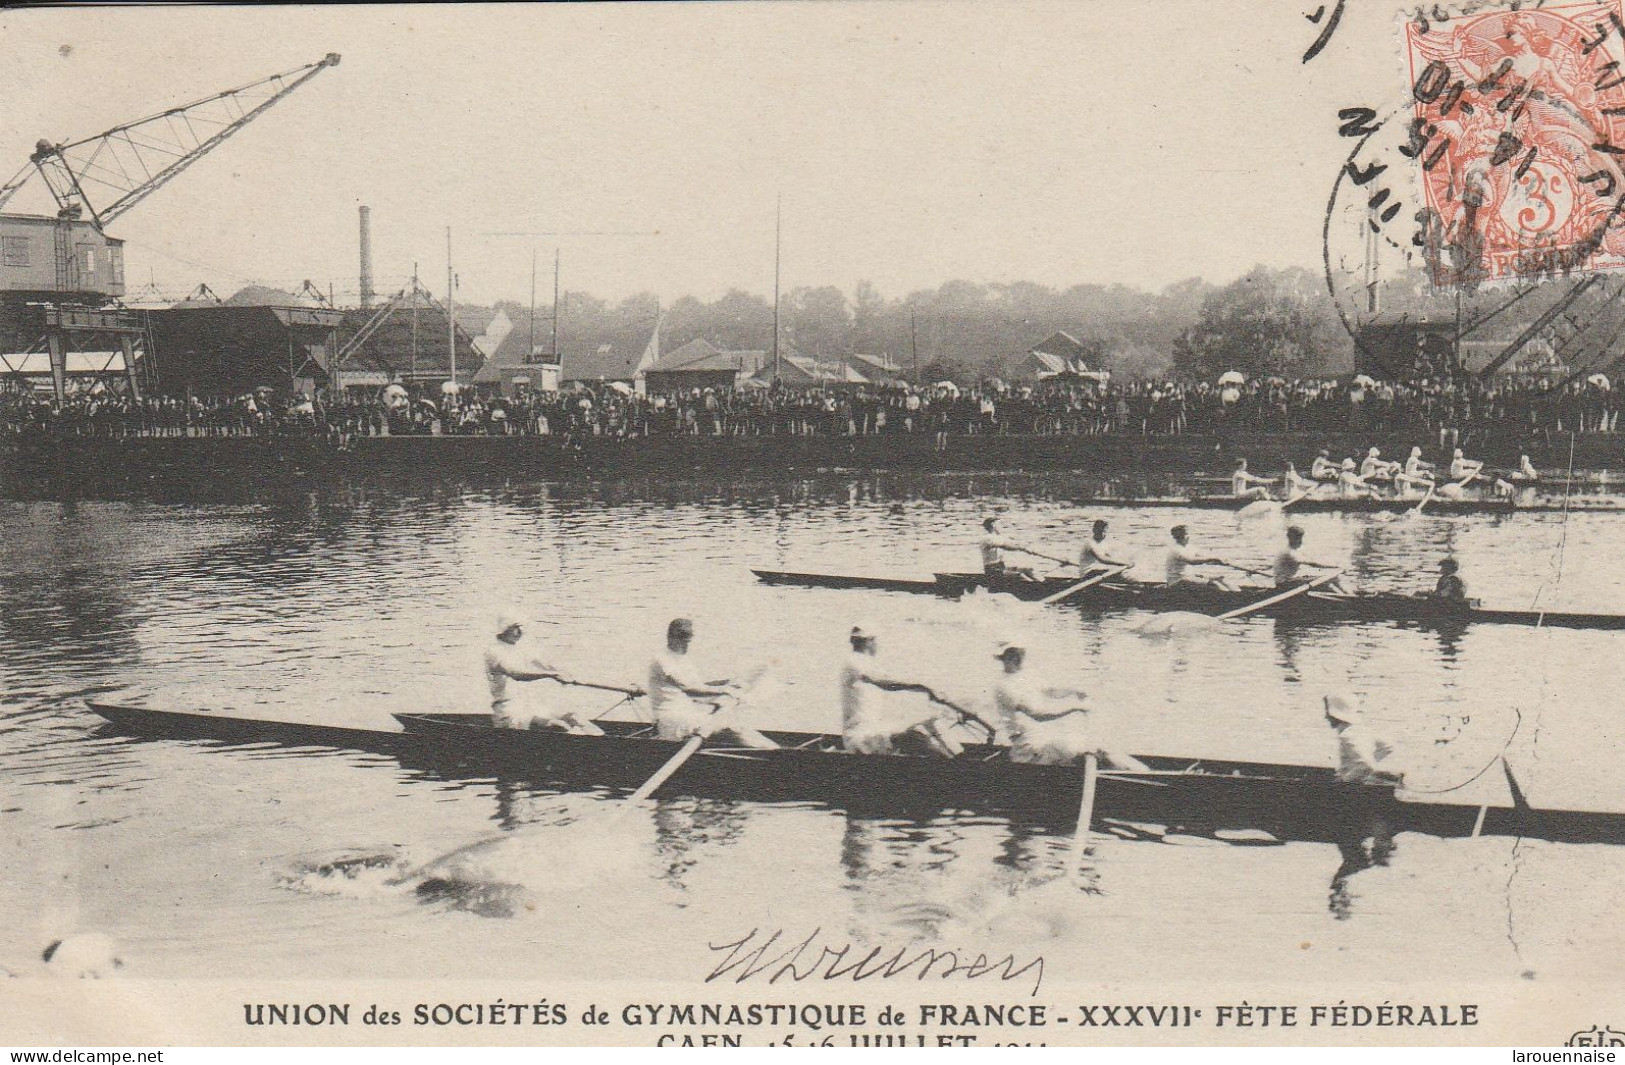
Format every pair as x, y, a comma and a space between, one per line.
1100, 551
1046, 725
1411, 479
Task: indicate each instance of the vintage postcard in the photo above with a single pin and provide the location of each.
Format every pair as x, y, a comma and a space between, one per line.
839, 524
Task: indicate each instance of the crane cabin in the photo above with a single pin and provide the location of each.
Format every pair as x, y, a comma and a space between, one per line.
59, 256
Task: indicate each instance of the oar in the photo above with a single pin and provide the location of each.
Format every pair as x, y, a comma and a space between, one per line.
1260, 507
631, 693
1050, 558
1416, 511
663, 774
1280, 597
964, 715
1068, 593
1086, 808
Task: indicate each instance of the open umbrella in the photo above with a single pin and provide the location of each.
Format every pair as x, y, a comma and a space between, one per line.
1600, 380
947, 386
449, 388
1232, 377
622, 387
1364, 381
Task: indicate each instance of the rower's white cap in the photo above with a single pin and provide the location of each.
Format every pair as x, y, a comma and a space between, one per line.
1373, 452
1348, 464
1341, 706
506, 619
1416, 451
1458, 453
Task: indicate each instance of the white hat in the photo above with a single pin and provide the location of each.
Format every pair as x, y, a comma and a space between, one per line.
1006, 646
1341, 706
507, 619
1373, 452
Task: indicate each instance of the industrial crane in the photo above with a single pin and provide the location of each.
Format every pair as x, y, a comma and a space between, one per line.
132, 161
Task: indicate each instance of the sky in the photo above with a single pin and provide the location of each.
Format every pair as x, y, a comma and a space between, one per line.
912, 143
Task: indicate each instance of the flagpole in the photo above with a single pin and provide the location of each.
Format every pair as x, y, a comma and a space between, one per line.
451, 310
530, 350
556, 257
778, 238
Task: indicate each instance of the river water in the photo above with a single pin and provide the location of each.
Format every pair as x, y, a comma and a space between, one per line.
343, 605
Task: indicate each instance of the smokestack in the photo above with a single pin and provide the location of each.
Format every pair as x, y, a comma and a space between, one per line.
366, 257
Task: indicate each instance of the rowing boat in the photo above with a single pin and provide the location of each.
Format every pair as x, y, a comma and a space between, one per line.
1369, 505
1190, 795
1313, 608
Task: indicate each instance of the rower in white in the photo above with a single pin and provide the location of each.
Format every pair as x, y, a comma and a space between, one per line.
1323, 468
1100, 551
1244, 485
510, 658
686, 705
1296, 483
1416, 470
1374, 468
1290, 561
1362, 756
1526, 469
1181, 556
871, 723
1047, 725
1350, 485
993, 548
1462, 469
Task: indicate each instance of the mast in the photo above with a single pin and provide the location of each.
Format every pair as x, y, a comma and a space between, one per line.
556, 305
451, 309
530, 349
778, 237
416, 288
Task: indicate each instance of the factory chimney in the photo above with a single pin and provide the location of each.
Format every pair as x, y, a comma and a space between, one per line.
366, 257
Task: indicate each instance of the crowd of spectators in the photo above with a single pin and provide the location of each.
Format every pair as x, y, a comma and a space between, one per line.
1510, 408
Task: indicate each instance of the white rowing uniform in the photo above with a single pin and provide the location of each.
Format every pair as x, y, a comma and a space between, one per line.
1527, 468
1037, 735
1460, 468
1350, 483
1375, 467
871, 716
1322, 468
505, 662
993, 549
1241, 484
1097, 554
1180, 558
1416, 469
1287, 565
677, 715
1360, 757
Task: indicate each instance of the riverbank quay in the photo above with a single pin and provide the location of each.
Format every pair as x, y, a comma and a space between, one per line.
1140, 464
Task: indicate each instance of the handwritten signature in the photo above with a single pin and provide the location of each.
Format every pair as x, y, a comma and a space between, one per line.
778, 957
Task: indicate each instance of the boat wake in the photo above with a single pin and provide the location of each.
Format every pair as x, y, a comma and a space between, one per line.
504, 875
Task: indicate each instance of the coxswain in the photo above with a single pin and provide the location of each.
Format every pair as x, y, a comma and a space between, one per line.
1290, 561
1350, 485
1450, 588
1180, 557
1047, 726
685, 704
1526, 469
1099, 551
1464, 469
1323, 468
1244, 485
1374, 468
993, 548
874, 724
510, 658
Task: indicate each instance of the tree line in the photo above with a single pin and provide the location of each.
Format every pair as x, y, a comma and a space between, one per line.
1267, 322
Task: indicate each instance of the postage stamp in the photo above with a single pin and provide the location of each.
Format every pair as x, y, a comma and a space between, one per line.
1518, 134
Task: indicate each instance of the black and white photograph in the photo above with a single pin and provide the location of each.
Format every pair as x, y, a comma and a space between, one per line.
862, 524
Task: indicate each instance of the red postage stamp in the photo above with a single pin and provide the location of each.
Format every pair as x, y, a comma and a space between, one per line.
1518, 130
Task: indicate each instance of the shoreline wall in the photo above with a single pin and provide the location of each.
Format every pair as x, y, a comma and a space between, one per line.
74, 461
